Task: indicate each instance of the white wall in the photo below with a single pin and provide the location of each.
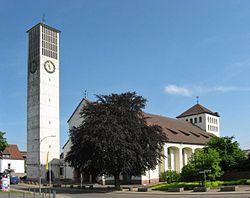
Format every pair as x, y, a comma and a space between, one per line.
201, 124
209, 123
68, 171
16, 165
151, 174
213, 124
74, 121
176, 155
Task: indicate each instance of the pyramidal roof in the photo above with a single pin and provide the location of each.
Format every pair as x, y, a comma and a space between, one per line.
197, 109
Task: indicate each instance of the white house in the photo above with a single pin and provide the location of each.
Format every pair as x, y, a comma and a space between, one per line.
189, 132
12, 159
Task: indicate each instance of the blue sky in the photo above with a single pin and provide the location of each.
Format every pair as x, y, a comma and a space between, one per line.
167, 51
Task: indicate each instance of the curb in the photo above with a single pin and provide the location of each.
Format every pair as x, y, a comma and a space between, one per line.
183, 193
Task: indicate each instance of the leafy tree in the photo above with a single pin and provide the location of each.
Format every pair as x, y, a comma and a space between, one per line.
245, 166
204, 159
230, 153
115, 139
3, 141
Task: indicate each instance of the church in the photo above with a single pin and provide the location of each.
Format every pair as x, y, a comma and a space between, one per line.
186, 133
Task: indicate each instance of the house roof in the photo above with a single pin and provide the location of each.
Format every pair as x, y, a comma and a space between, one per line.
197, 109
13, 151
24, 154
179, 131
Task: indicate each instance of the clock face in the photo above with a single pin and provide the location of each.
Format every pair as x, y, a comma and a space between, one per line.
49, 66
33, 67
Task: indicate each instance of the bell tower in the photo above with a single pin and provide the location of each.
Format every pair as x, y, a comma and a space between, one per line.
43, 130
202, 117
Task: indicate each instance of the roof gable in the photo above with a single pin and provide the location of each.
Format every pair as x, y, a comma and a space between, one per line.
197, 109
80, 105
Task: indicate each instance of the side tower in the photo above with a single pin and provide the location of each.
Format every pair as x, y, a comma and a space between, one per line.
43, 130
202, 117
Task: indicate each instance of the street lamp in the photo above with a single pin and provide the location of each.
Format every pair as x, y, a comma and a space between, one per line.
204, 174
40, 160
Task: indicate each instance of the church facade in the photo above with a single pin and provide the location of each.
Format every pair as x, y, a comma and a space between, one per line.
190, 131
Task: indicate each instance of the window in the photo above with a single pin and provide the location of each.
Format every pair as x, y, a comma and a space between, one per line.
195, 120
187, 120
200, 119
191, 120
6, 156
61, 170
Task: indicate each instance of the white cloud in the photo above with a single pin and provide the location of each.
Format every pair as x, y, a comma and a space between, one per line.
230, 89
198, 90
177, 90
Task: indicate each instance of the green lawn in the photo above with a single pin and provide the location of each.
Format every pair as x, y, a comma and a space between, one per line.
191, 185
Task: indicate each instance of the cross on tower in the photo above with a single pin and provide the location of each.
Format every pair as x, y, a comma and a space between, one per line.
197, 99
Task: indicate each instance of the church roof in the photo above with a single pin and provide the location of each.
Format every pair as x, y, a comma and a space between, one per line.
179, 131
197, 109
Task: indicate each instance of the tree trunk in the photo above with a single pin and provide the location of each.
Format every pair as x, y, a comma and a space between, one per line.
117, 181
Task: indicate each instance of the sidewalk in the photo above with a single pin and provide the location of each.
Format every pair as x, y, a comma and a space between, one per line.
243, 189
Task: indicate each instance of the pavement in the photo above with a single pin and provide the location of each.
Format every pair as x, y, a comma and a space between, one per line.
66, 192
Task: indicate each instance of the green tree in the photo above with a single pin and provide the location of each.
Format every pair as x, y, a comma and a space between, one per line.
3, 141
245, 166
204, 159
170, 176
230, 153
115, 139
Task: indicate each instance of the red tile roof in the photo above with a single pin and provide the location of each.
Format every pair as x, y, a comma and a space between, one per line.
13, 151
197, 109
179, 131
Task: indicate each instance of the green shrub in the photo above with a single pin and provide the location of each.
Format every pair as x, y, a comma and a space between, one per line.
189, 173
213, 184
235, 182
185, 185
191, 185
170, 176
